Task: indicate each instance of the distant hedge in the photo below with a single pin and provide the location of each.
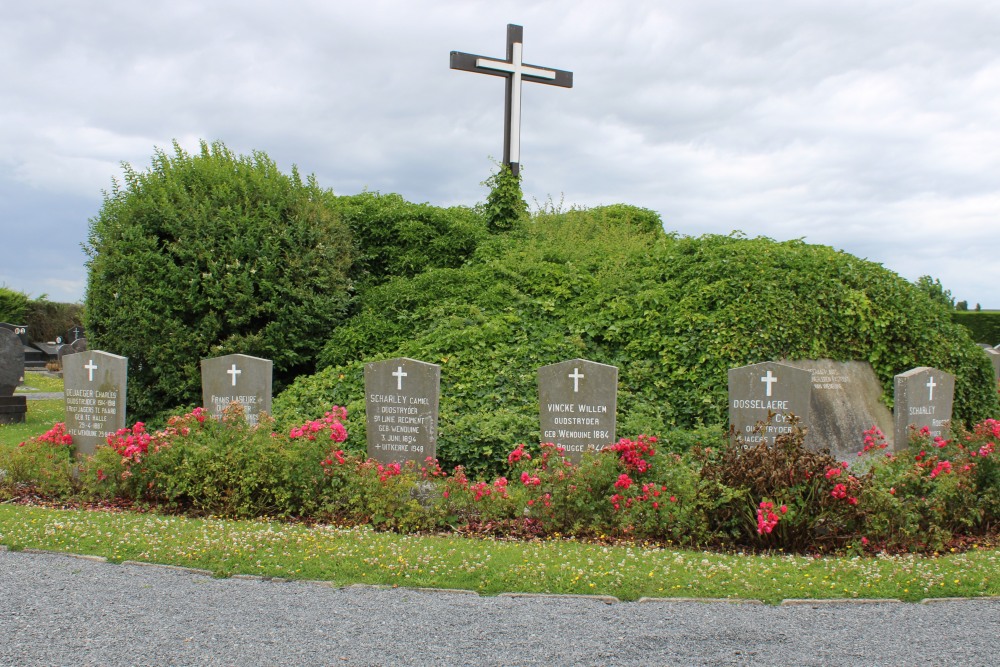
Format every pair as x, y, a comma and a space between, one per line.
673, 313
984, 326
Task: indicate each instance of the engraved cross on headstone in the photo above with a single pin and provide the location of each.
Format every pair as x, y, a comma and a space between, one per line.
576, 375
91, 367
399, 374
769, 379
515, 71
234, 372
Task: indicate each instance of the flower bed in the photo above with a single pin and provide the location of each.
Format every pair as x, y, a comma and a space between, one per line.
727, 496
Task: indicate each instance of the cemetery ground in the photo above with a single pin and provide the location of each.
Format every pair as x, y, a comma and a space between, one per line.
627, 569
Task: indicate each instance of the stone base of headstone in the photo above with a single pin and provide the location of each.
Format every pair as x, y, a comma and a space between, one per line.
13, 409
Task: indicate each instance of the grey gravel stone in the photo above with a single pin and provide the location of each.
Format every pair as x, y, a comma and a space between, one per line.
64, 611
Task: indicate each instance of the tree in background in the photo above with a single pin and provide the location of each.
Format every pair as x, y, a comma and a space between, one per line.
212, 254
933, 288
13, 305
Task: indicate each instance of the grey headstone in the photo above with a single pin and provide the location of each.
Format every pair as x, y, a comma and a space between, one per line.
237, 378
11, 362
758, 389
995, 359
846, 402
20, 329
64, 350
923, 397
401, 409
95, 385
985, 346
578, 405
80, 344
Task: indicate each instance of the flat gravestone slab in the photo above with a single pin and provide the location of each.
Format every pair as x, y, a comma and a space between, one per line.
759, 389
11, 362
994, 356
401, 409
846, 402
578, 405
237, 378
95, 397
923, 397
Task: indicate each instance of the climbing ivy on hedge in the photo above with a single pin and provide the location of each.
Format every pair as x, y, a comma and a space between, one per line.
673, 313
210, 254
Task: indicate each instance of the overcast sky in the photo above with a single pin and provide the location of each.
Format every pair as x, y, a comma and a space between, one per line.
871, 126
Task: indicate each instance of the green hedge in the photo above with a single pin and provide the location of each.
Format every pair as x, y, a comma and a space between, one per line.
673, 313
983, 326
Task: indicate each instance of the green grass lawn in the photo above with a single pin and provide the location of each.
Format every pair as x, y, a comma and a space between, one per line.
360, 555
42, 414
37, 382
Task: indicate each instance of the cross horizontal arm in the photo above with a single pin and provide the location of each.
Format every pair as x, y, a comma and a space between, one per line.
470, 62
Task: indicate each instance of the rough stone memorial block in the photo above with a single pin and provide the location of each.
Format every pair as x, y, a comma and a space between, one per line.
923, 397
994, 356
95, 397
237, 378
578, 405
846, 401
401, 409
760, 389
12, 408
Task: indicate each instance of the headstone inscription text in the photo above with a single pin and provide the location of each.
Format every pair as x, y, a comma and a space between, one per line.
401, 409
770, 387
846, 401
923, 398
237, 378
95, 384
578, 405
515, 71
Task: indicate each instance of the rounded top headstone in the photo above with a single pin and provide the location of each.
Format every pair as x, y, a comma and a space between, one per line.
11, 362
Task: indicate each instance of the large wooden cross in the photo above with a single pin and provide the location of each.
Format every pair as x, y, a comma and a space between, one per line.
515, 71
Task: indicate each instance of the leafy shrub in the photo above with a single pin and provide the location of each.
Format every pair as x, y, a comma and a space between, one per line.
208, 255
785, 494
44, 463
394, 237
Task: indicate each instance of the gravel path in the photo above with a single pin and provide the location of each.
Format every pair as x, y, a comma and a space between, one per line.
59, 610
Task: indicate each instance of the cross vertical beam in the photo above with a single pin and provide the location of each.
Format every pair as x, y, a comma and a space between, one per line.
514, 70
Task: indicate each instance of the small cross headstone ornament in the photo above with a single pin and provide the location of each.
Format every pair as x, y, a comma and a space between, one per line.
515, 71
